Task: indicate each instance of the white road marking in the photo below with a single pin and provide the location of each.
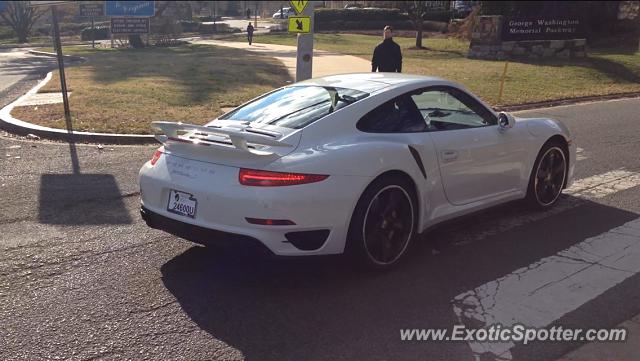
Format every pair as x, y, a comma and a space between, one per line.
595, 187
580, 154
544, 291
602, 185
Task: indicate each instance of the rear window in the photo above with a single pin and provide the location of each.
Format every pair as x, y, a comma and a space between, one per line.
296, 106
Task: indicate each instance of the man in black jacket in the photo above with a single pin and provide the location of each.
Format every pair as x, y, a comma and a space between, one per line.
387, 55
250, 30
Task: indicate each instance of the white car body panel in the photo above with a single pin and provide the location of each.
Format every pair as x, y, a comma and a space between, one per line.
490, 166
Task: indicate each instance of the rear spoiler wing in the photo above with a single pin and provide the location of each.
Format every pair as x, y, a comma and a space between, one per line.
239, 137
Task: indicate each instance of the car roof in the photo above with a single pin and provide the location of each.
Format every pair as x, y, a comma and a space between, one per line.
372, 82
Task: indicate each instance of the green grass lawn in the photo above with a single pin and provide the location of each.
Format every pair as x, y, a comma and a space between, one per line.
123, 90
604, 71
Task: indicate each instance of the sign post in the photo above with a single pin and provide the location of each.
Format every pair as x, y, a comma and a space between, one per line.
303, 25
63, 80
91, 11
57, 43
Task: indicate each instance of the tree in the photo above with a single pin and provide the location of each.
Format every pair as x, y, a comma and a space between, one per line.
21, 17
417, 10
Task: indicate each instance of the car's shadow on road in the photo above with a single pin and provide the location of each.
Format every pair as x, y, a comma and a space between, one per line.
316, 309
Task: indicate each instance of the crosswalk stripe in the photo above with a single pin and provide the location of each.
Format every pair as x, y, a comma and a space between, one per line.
602, 185
544, 291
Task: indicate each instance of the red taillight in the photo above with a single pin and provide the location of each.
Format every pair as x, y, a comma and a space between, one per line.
262, 178
156, 157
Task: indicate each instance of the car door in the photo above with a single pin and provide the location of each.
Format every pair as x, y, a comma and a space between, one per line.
477, 159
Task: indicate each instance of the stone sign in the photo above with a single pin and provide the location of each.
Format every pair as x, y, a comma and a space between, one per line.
517, 29
533, 39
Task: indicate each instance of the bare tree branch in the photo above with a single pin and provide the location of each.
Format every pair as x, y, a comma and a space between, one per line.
21, 18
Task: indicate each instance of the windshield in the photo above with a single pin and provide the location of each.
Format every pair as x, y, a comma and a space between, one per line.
296, 106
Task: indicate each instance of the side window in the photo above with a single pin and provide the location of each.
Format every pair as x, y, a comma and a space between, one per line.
449, 109
398, 115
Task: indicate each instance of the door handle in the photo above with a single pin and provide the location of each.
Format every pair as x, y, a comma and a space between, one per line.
449, 155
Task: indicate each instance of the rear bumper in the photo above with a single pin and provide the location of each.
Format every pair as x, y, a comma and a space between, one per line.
201, 235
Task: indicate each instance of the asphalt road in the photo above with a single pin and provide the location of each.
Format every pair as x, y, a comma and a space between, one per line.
18, 66
83, 278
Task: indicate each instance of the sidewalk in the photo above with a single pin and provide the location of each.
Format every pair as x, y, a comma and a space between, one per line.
324, 62
610, 351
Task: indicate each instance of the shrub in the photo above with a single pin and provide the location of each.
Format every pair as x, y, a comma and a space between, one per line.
367, 19
361, 25
362, 15
100, 33
189, 26
208, 18
166, 26
217, 28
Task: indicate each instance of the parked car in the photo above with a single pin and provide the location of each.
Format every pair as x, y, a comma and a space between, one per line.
354, 163
286, 12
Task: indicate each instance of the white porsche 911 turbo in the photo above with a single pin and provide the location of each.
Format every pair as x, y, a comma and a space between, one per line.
355, 163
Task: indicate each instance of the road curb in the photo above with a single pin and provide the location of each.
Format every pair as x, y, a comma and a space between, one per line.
38, 45
19, 127
53, 55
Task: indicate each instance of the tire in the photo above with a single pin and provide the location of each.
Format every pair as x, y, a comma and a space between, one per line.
383, 223
548, 177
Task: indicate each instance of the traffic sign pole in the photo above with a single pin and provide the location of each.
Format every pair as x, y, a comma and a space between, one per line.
93, 34
63, 80
304, 57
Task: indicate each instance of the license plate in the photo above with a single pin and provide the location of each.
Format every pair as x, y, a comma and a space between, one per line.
182, 203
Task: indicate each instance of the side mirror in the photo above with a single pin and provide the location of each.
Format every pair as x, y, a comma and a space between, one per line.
506, 121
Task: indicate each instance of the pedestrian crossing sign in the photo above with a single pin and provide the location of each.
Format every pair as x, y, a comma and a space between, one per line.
298, 6
299, 24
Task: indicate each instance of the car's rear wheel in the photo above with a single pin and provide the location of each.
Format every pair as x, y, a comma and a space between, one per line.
548, 176
383, 223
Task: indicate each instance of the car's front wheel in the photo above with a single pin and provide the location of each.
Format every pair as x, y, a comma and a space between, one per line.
383, 223
548, 176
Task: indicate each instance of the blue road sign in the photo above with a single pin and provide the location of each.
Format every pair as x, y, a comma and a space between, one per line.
3, 4
130, 8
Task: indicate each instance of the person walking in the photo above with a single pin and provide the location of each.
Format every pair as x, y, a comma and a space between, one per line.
250, 33
387, 56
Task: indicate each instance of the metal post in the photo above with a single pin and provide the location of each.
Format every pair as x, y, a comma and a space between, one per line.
75, 164
504, 75
93, 35
304, 58
63, 81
